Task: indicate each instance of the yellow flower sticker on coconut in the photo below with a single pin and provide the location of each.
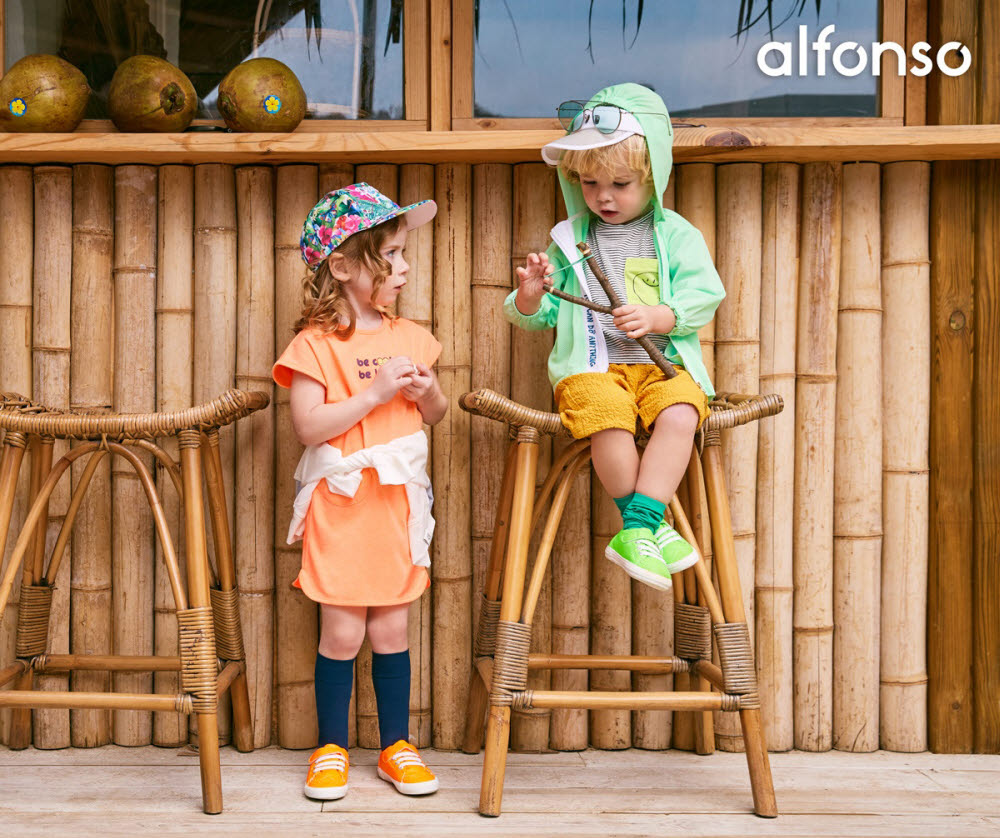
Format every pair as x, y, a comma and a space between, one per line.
17, 107
272, 104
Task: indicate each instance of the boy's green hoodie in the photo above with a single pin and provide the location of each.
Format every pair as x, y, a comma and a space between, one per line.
693, 291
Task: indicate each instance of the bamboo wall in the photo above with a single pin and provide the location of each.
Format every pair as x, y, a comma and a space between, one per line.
176, 283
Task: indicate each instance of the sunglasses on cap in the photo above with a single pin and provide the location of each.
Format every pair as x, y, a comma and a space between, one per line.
574, 115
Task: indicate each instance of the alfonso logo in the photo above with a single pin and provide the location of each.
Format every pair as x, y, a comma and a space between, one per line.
851, 58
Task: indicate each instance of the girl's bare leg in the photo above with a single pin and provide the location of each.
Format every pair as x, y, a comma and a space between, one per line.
387, 628
667, 453
341, 630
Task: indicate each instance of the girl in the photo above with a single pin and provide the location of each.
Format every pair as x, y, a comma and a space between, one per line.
361, 387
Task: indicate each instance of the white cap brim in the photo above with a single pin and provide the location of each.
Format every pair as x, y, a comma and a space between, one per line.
590, 137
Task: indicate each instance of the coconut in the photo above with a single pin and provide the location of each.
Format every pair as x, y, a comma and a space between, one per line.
262, 94
150, 94
42, 93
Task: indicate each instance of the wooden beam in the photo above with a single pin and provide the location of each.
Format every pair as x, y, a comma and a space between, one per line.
463, 39
440, 65
416, 37
892, 89
716, 144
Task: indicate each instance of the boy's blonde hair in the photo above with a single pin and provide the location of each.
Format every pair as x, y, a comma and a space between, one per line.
325, 304
630, 153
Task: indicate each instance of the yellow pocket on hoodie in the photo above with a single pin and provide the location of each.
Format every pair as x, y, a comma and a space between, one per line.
642, 281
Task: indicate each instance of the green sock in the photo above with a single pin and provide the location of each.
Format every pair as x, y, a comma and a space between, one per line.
622, 503
643, 511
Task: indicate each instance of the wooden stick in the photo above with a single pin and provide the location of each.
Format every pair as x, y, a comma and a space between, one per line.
657, 357
610, 701
91, 368
109, 663
643, 664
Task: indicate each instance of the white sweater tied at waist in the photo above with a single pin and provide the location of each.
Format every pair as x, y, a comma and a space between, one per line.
402, 462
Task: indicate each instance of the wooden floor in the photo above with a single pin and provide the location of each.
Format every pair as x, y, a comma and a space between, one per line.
116, 791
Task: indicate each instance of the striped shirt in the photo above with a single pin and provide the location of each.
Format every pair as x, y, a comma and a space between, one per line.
612, 245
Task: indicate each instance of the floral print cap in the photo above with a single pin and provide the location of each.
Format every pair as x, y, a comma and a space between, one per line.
344, 212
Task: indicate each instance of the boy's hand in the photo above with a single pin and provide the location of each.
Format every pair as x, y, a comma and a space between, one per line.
533, 281
636, 321
421, 383
393, 376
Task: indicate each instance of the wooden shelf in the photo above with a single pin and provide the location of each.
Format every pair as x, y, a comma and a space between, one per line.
715, 143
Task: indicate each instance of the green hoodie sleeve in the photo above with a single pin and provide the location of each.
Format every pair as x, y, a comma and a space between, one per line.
695, 288
548, 311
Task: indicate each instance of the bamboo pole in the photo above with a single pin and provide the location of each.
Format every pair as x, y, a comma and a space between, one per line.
533, 215
737, 364
815, 413
336, 176
134, 392
255, 436
385, 178
215, 319
610, 621
416, 182
50, 342
297, 627
905, 476
775, 454
857, 501
174, 376
695, 184
952, 100
16, 265
451, 568
91, 366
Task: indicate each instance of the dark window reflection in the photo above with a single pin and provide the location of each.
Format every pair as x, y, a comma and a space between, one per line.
532, 54
348, 54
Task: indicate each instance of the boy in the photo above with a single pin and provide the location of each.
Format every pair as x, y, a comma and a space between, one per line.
614, 163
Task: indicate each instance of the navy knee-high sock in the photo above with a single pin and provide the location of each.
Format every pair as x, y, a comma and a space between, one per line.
333, 698
391, 679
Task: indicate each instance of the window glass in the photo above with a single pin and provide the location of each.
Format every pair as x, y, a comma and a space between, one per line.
348, 54
532, 54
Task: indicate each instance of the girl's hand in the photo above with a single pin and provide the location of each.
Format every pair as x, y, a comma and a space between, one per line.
533, 282
421, 383
392, 376
636, 321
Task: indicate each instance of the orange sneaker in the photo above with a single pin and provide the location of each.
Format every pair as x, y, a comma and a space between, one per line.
327, 778
401, 765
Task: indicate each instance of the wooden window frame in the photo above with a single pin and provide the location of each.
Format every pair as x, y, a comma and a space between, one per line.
415, 84
893, 94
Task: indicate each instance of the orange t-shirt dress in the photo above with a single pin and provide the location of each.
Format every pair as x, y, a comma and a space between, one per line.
356, 551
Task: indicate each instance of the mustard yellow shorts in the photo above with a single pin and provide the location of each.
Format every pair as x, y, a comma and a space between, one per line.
596, 401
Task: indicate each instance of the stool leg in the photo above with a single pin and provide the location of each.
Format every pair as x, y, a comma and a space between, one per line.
498, 722
759, 764
198, 597
238, 691
475, 718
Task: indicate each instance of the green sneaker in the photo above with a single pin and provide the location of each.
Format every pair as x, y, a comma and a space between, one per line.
635, 552
677, 553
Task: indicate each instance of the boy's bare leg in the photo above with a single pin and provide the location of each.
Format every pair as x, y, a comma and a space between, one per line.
667, 453
616, 461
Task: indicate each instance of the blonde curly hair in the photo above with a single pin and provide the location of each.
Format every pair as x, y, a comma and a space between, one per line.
630, 153
325, 303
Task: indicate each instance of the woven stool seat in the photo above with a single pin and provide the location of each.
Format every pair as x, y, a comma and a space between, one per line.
210, 659
22, 415
703, 611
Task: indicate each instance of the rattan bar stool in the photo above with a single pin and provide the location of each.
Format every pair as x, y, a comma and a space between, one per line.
207, 606
503, 638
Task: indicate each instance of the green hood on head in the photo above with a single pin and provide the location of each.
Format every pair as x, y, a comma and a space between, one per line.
648, 108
